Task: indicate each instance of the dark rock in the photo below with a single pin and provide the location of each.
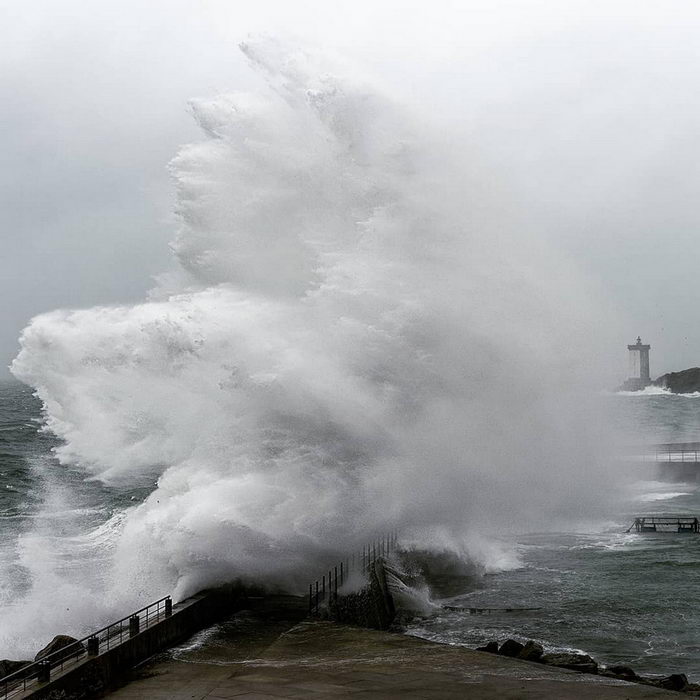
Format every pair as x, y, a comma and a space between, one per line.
510, 648
8, 667
491, 647
676, 681
532, 651
624, 672
59, 642
575, 662
686, 381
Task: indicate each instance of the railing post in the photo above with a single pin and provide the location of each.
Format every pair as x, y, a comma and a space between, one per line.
323, 595
43, 672
317, 597
311, 607
134, 625
93, 646
335, 576
341, 573
168, 607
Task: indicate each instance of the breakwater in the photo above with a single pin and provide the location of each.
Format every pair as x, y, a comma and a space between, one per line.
262, 643
85, 670
322, 659
356, 590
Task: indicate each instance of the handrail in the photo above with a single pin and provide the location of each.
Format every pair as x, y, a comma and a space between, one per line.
40, 671
682, 523
669, 452
356, 562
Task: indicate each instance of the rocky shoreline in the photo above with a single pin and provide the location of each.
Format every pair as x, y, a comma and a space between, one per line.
686, 381
583, 663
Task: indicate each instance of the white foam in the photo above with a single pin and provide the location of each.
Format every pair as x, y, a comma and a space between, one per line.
359, 336
657, 391
661, 496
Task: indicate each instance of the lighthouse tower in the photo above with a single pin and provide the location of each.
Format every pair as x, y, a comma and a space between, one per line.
638, 376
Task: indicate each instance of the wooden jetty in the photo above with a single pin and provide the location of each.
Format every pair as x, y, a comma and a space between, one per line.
666, 523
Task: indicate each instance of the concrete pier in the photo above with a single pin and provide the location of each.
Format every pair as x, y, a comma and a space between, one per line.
273, 653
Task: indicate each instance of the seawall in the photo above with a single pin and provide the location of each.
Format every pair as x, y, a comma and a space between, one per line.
92, 675
265, 648
322, 659
372, 606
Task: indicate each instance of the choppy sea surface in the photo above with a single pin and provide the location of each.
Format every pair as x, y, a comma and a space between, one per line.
622, 597
52, 519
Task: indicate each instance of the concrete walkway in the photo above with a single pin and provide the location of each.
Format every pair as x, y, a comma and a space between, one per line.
255, 657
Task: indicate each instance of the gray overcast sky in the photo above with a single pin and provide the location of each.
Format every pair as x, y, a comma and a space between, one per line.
592, 108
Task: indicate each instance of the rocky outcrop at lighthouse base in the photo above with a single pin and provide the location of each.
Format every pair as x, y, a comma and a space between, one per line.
686, 381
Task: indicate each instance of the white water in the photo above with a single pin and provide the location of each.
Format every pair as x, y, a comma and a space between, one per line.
657, 391
359, 335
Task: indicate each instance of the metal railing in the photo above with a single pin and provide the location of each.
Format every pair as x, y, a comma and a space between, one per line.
325, 589
666, 523
103, 640
667, 452
677, 453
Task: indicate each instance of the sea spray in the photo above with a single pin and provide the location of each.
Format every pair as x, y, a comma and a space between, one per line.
359, 336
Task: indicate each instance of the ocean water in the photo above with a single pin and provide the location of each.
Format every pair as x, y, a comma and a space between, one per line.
622, 597
56, 528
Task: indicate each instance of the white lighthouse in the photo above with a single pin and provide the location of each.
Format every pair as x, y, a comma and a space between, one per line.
638, 376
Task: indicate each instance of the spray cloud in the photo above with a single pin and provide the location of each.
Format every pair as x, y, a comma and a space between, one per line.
359, 336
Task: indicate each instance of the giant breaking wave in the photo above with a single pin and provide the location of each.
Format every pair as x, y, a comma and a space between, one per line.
358, 335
